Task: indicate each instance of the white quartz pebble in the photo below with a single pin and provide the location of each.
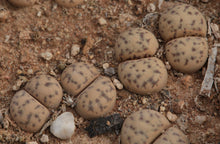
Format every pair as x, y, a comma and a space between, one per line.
64, 126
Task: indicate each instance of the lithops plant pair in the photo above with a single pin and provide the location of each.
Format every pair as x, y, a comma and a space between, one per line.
146, 126
96, 95
143, 75
30, 108
185, 28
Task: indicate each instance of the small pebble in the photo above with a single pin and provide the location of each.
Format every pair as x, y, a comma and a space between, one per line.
5, 124
151, 7
200, 119
118, 84
64, 126
168, 67
171, 117
75, 49
102, 21
105, 65
144, 100
109, 71
44, 138
4, 14
7, 38
46, 55
30, 71
162, 108
39, 13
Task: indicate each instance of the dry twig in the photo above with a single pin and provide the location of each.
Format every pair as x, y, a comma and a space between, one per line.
208, 80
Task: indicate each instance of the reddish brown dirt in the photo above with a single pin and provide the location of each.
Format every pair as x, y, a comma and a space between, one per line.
24, 36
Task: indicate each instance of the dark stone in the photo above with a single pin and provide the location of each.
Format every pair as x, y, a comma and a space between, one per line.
112, 123
109, 71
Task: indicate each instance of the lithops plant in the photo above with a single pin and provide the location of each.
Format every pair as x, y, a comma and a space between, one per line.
46, 90
135, 43
139, 74
69, 3
143, 126
181, 20
27, 112
143, 76
78, 76
97, 99
187, 54
30, 108
22, 3
172, 136
96, 95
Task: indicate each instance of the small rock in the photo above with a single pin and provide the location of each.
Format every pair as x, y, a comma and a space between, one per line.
162, 108
46, 55
109, 71
171, 117
102, 21
61, 66
30, 71
5, 124
4, 14
64, 126
39, 13
25, 35
200, 119
118, 84
75, 49
144, 100
44, 138
168, 66
7, 38
151, 7
105, 65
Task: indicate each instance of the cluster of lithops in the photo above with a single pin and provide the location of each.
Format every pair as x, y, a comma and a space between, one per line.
144, 75
22, 3
30, 108
185, 26
68, 3
96, 95
146, 126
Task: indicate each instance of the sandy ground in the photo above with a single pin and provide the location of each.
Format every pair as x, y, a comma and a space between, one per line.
46, 27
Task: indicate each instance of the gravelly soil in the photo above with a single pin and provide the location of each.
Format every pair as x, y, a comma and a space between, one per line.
46, 27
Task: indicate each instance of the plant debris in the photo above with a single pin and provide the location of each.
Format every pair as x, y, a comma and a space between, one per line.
208, 79
112, 123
